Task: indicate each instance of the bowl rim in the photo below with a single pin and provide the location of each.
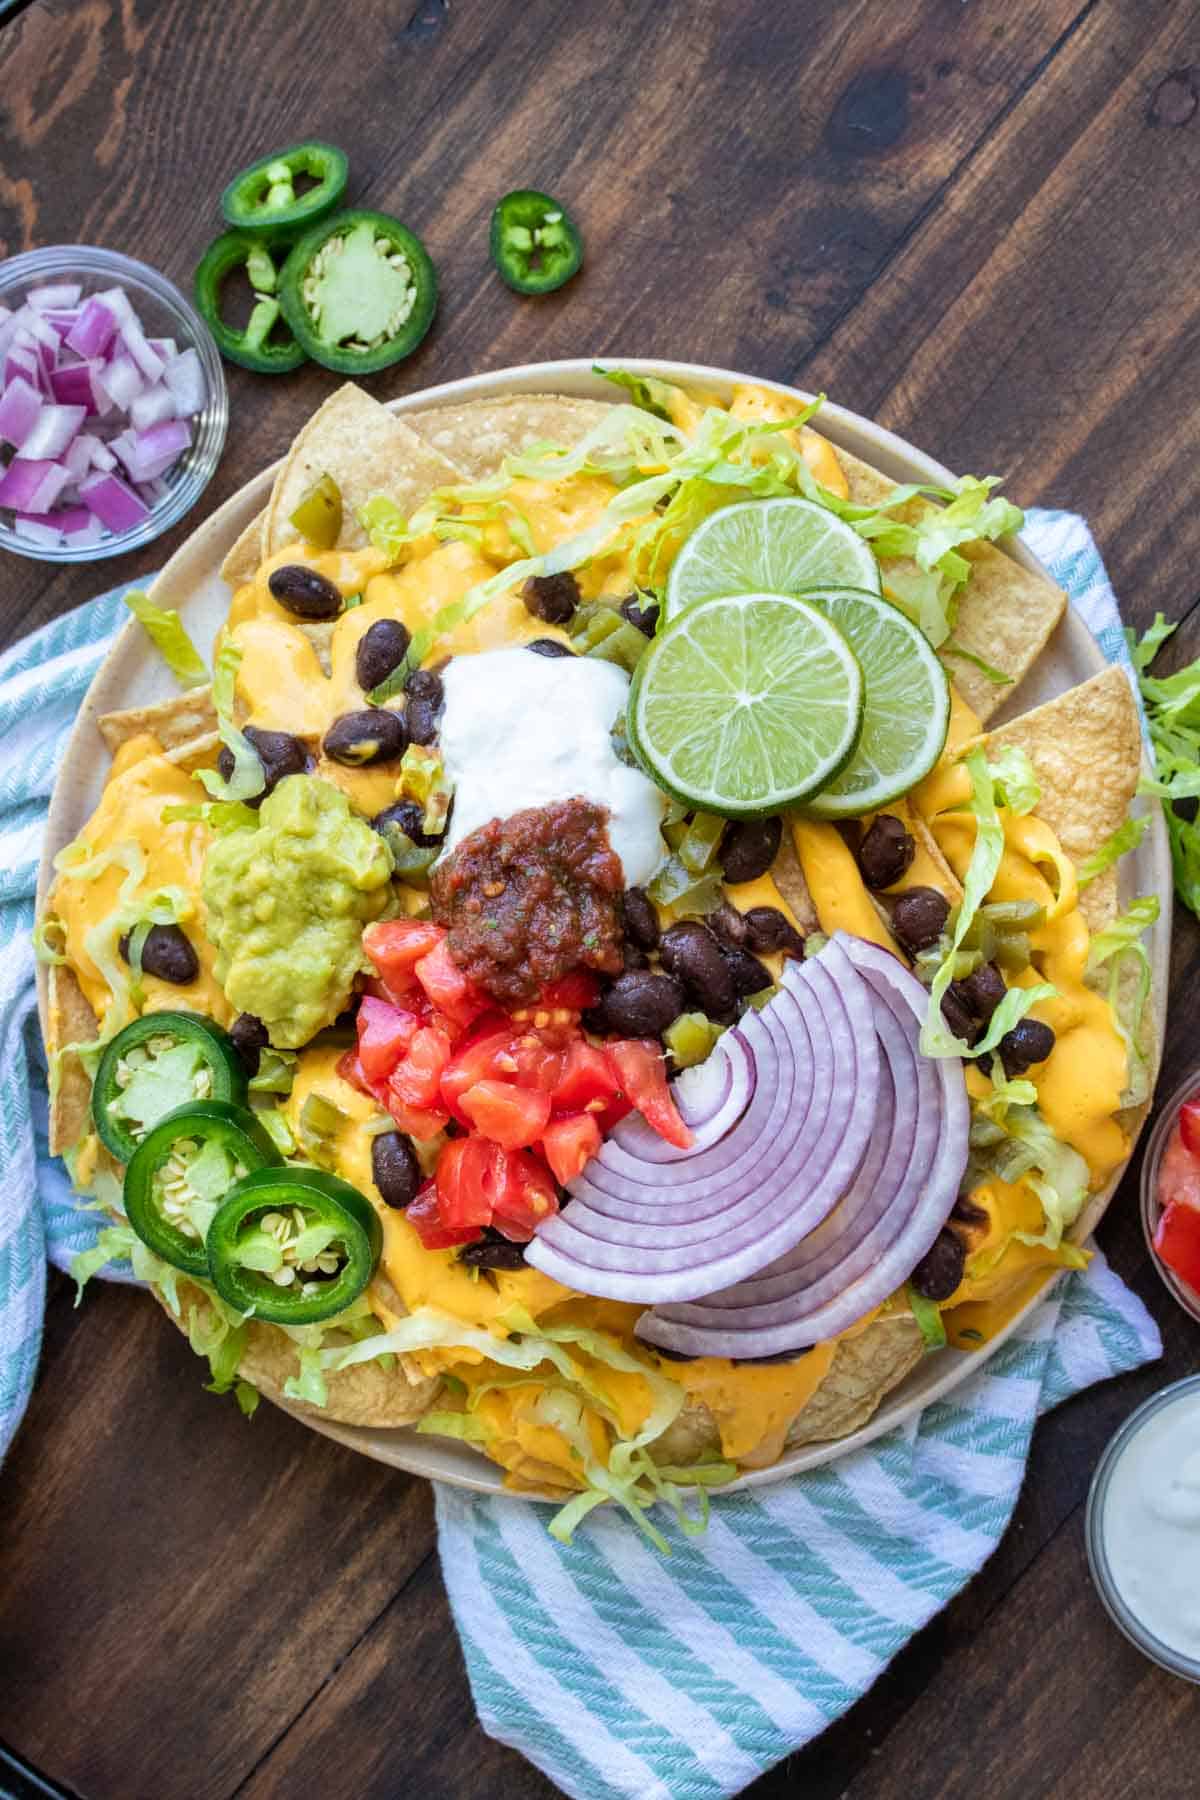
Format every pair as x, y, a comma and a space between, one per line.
576, 377
30, 266
1151, 1211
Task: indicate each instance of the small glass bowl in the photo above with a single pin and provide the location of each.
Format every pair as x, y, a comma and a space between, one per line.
1164, 1125
164, 313
1127, 1622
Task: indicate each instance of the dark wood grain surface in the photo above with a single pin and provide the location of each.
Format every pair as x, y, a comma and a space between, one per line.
976, 223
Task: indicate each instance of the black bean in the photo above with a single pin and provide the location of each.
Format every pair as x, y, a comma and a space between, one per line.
374, 735
887, 851
941, 1269
250, 1039
768, 929
919, 916
984, 989
304, 592
968, 1212
644, 618
780, 1356
641, 1003
633, 957
729, 925
549, 647
426, 684
956, 1010
641, 919
409, 817
381, 650
426, 698
167, 954
749, 847
552, 598
1027, 1043
492, 1251
749, 975
672, 1355
691, 952
279, 753
395, 1169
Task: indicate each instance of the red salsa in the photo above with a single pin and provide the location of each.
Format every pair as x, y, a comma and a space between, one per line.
529, 898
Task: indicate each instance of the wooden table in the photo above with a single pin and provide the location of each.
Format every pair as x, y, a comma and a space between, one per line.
975, 223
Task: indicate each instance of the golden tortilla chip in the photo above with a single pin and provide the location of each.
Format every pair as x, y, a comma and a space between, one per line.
1086, 750
198, 753
865, 1368
788, 877
367, 450
365, 1394
1005, 614
478, 434
70, 1021
174, 722
242, 561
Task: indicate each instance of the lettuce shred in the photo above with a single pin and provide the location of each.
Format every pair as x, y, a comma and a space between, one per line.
1172, 707
1117, 844
247, 778
928, 1315
166, 632
1119, 947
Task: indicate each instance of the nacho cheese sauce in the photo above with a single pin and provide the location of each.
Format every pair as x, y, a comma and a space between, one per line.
521, 730
1149, 1524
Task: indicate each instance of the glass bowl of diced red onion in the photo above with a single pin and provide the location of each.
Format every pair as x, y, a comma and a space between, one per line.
113, 404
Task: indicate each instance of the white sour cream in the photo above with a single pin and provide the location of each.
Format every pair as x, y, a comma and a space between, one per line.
523, 730
1150, 1524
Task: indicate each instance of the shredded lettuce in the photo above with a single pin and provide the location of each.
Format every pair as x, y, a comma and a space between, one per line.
247, 778
120, 1243
43, 949
1117, 844
1129, 979
1172, 707
651, 395
928, 1316
988, 670
247, 1397
1058, 1175
166, 631
219, 815
1009, 779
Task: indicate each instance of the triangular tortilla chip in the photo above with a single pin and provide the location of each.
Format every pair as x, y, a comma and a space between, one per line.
71, 1021
242, 561
174, 722
478, 434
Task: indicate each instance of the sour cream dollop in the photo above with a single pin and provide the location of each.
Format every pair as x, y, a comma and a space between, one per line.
523, 730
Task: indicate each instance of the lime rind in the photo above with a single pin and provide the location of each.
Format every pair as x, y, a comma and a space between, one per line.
746, 703
775, 546
907, 712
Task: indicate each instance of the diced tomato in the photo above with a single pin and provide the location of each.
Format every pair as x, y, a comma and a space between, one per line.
509, 1115
417, 1076
469, 1173
1177, 1240
588, 1082
539, 1064
482, 1057
384, 1034
448, 988
576, 991
1178, 1174
1189, 1126
424, 1217
396, 946
642, 1071
350, 1069
569, 1143
527, 1196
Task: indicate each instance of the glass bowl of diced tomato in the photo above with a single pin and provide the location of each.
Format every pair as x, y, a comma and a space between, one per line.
1171, 1194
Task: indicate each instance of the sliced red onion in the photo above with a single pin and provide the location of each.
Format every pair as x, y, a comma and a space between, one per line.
94, 329
32, 487
113, 503
52, 431
20, 406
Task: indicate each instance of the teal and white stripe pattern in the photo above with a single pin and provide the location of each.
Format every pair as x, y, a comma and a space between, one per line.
617, 1671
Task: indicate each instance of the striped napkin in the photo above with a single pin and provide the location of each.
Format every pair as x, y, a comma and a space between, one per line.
618, 1672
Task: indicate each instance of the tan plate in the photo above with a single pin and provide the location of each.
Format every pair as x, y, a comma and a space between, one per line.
133, 675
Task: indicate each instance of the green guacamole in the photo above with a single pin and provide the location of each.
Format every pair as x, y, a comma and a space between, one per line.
287, 902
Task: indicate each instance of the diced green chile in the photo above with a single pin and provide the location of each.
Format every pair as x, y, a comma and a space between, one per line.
319, 512
262, 197
535, 243
225, 1073
359, 292
323, 1200
149, 1200
259, 345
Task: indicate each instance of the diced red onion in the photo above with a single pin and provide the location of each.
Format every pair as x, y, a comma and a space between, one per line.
56, 294
46, 536
152, 406
52, 431
185, 379
121, 380
20, 406
114, 504
94, 329
71, 385
90, 534
65, 519
146, 454
32, 487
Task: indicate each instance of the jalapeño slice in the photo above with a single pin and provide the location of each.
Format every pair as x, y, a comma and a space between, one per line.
259, 344
162, 1061
359, 292
294, 1244
263, 197
182, 1170
536, 244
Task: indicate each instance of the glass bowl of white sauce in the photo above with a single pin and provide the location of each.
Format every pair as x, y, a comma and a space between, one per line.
1143, 1528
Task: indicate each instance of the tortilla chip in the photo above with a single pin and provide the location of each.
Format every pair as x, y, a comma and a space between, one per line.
1005, 614
174, 722
198, 753
788, 877
1086, 750
71, 1021
242, 561
365, 1394
478, 434
865, 1368
947, 881
367, 450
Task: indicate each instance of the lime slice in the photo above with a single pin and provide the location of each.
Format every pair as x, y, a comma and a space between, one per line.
768, 547
907, 704
745, 704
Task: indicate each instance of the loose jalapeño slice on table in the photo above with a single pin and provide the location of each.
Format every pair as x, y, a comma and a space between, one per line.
294, 1244
262, 344
535, 243
162, 1061
359, 292
263, 197
182, 1170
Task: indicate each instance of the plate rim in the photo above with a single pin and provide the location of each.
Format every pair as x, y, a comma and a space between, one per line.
575, 377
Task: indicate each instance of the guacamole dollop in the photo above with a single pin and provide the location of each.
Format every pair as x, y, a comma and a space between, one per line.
287, 901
